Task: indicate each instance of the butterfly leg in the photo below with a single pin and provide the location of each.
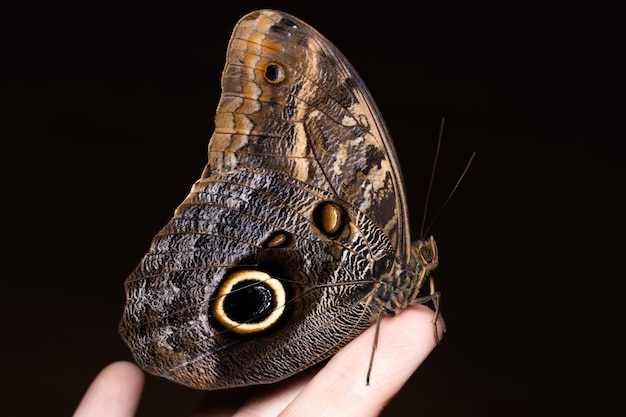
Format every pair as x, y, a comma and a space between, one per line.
435, 297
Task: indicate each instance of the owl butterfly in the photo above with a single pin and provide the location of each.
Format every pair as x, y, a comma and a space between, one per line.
295, 239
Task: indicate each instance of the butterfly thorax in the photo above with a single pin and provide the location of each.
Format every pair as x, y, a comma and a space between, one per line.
402, 286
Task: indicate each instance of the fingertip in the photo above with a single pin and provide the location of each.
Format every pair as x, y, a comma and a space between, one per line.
124, 368
404, 343
123, 373
114, 392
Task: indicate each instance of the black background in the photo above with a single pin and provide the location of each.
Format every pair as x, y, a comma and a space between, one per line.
106, 113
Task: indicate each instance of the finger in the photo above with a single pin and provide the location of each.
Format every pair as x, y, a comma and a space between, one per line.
115, 392
339, 389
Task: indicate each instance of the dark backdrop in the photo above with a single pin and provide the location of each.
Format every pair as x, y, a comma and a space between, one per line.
106, 112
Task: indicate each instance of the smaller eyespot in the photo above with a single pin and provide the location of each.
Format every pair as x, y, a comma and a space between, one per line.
279, 239
274, 73
330, 219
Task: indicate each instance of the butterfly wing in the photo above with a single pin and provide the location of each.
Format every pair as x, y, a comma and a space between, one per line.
317, 123
270, 263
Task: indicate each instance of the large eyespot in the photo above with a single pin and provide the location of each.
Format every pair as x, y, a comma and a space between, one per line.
249, 301
330, 219
274, 73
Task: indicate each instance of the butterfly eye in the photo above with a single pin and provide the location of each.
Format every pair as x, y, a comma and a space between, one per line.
426, 253
249, 301
274, 73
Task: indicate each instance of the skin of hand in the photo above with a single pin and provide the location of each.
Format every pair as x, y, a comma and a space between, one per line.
337, 389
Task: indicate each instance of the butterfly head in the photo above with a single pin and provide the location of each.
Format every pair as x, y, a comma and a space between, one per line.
426, 254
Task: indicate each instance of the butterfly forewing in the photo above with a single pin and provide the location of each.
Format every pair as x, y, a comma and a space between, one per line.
317, 124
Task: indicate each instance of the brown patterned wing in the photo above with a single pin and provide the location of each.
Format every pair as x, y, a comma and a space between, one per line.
284, 249
292, 103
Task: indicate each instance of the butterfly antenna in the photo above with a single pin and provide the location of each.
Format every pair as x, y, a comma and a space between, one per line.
445, 203
432, 178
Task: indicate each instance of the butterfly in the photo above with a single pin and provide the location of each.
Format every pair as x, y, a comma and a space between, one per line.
295, 239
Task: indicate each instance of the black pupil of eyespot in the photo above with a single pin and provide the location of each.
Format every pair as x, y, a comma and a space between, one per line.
273, 72
249, 302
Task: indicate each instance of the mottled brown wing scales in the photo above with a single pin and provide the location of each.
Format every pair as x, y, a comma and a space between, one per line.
251, 129
318, 125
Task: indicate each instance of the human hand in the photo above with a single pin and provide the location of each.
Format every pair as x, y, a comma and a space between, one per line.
337, 389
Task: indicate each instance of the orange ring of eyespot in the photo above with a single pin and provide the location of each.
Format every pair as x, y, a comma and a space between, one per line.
227, 286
